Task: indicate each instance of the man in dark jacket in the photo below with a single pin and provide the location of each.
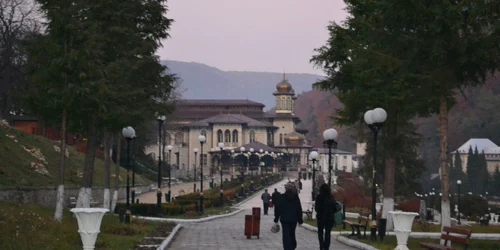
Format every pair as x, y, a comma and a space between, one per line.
325, 207
289, 213
266, 198
275, 199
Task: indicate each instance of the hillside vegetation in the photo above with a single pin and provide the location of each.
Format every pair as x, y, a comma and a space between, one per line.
33, 161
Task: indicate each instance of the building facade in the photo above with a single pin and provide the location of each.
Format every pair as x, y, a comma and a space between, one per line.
235, 123
483, 145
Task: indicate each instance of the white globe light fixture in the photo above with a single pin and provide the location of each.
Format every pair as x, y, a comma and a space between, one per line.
170, 147
242, 149
212, 149
368, 117
330, 134
314, 155
128, 132
232, 151
261, 150
220, 145
202, 139
379, 115
251, 150
195, 150
459, 182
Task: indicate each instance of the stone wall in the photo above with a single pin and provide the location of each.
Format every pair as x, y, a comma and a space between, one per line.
47, 196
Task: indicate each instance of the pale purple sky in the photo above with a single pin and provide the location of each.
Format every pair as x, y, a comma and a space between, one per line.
250, 35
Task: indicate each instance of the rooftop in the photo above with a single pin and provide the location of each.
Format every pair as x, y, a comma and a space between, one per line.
482, 144
230, 119
218, 102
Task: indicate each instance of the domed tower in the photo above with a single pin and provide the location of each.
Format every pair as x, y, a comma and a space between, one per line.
294, 139
285, 97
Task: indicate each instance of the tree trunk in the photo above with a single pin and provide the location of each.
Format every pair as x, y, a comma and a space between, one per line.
390, 165
60, 189
445, 184
107, 170
117, 171
85, 193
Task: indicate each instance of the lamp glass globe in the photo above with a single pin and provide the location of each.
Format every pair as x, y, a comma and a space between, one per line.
330, 134
232, 151
195, 150
459, 182
251, 150
379, 115
261, 150
242, 149
368, 117
202, 138
313, 155
128, 132
221, 145
170, 147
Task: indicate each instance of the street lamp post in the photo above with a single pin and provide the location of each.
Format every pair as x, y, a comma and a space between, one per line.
261, 151
250, 152
133, 170
242, 151
314, 156
374, 118
232, 164
202, 140
194, 169
212, 171
161, 120
221, 146
169, 148
330, 135
459, 183
128, 133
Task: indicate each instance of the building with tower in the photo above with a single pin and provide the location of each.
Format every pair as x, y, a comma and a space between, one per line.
236, 123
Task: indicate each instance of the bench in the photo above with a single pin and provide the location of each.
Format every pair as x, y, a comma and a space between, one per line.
461, 237
356, 226
309, 214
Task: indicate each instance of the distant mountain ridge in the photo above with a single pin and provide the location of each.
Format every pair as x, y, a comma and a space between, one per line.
200, 81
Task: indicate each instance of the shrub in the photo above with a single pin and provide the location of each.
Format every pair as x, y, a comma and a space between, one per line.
411, 205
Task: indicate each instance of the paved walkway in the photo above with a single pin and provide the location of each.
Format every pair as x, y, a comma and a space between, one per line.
228, 233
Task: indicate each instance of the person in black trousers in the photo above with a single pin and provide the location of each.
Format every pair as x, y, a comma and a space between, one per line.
275, 199
289, 213
325, 215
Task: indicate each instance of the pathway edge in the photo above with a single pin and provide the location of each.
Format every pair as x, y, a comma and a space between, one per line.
188, 220
170, 238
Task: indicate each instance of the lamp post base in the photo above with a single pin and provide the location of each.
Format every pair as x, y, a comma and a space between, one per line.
158, 202
133, 196
127, 216
194, 187
169, 196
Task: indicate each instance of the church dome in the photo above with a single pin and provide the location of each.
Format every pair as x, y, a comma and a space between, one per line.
284, 87
295, 139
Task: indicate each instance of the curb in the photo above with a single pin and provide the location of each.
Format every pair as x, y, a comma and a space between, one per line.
188, 220
170, 238
354, 243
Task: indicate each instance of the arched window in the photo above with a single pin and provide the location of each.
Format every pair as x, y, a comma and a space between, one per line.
227, 136
179, 138
281, 139
219, 136
204, 133
252, 136
235, 135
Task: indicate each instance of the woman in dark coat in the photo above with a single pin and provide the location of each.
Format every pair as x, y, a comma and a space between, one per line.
289, 213
325, 215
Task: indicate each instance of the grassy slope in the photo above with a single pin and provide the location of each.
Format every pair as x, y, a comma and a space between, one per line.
390, 243
15, 163
30, 227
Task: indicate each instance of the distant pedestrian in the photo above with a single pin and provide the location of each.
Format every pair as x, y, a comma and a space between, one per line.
275, 198
266, 198
289, 213
325, 207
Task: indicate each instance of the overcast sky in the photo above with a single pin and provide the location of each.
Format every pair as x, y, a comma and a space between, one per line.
250, 35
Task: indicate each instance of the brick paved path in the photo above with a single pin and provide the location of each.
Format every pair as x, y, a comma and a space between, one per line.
227, 233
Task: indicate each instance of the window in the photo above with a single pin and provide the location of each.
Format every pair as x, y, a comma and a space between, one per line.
269, 137
227, 136
235, 135
219, 136
281, 139
204, 133
179, 138
252, 136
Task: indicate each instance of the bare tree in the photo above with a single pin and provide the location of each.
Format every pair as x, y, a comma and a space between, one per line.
19, 22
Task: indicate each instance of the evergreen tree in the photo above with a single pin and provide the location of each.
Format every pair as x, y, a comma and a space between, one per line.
471, 170
496, 182
484, 176
457, 167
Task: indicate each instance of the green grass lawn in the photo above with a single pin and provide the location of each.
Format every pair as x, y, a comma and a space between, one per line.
390, 243
16, 170
29, 227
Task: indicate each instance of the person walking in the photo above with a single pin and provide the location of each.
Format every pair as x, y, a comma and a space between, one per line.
266, 198
275, 198
289, 213
326, 208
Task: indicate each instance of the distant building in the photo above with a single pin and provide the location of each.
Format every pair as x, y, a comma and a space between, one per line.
237, 123
341, 160
483, 145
